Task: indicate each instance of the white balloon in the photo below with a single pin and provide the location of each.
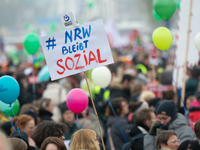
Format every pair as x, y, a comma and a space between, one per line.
101, 76
197, 41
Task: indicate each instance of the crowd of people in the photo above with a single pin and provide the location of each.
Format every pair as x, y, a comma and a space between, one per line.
131, 116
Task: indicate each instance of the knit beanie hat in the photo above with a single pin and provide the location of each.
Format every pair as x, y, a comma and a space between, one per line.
166, 107
32, 114
63, 107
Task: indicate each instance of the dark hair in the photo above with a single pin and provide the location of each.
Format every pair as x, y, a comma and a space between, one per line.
197, 129
184, 145
168, 94
117, 106
194, 145
46, 129
54, 140
127, 77
133, 106
163, 137
143, 115
44, 102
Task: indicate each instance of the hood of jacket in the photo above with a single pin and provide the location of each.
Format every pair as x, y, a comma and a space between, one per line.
179, 121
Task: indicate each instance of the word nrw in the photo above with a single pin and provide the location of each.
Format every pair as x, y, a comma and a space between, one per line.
73, 35
75, 66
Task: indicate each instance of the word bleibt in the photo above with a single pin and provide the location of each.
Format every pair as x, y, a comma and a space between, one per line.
73, 35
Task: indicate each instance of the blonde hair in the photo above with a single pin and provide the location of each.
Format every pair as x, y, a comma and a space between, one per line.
4, 143
18, 144
84, 139
146, 96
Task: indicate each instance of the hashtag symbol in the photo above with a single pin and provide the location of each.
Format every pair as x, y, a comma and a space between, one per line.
50, 43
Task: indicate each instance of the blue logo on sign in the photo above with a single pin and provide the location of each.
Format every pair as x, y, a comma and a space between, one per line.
66, 18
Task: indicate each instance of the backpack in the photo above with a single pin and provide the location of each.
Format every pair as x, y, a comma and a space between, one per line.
127, 146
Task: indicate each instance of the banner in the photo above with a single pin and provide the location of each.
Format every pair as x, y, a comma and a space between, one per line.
76, 49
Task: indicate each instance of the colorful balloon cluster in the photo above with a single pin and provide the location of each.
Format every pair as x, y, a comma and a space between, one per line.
162, 37
9, 92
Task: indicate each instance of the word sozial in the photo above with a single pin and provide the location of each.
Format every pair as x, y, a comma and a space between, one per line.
75, 66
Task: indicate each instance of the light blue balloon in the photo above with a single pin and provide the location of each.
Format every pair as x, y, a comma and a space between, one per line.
6, 109
9, 89
43, 75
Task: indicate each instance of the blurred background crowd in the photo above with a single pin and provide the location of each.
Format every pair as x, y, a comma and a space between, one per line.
140, 92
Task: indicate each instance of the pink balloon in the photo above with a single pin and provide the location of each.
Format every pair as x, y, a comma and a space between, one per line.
77, 100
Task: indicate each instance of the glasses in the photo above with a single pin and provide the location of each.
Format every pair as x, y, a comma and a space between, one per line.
174, 142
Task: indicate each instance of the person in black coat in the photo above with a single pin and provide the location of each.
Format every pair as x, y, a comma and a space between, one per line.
45, 109
142, 123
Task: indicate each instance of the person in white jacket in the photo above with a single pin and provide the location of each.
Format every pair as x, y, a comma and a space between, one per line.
57, 94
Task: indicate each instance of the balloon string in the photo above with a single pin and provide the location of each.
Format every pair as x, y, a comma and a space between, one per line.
169, 25
78, 121
11, 122
17, 123
165, 22
117, 122
174, 80
179, 94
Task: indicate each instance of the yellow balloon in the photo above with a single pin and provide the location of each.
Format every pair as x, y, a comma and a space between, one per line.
162, 38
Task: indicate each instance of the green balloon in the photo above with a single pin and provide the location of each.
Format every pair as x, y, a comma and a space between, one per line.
8, 109
53, 26
40, 57
90, 4
165, 8
26, 25
178, 3
155, 15
153, 2
31, 43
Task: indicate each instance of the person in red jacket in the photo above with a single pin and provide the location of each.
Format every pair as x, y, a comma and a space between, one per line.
194, 111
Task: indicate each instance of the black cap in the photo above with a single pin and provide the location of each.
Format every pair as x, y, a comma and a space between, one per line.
32, 114
166, 107
63, 107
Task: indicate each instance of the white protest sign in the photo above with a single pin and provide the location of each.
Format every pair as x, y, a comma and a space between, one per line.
76, 50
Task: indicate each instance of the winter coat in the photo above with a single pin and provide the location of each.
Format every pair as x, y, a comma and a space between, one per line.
57, 94
194, 113
179, 126
117, 137
72, 128
125, 93
44, 115
135, 144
